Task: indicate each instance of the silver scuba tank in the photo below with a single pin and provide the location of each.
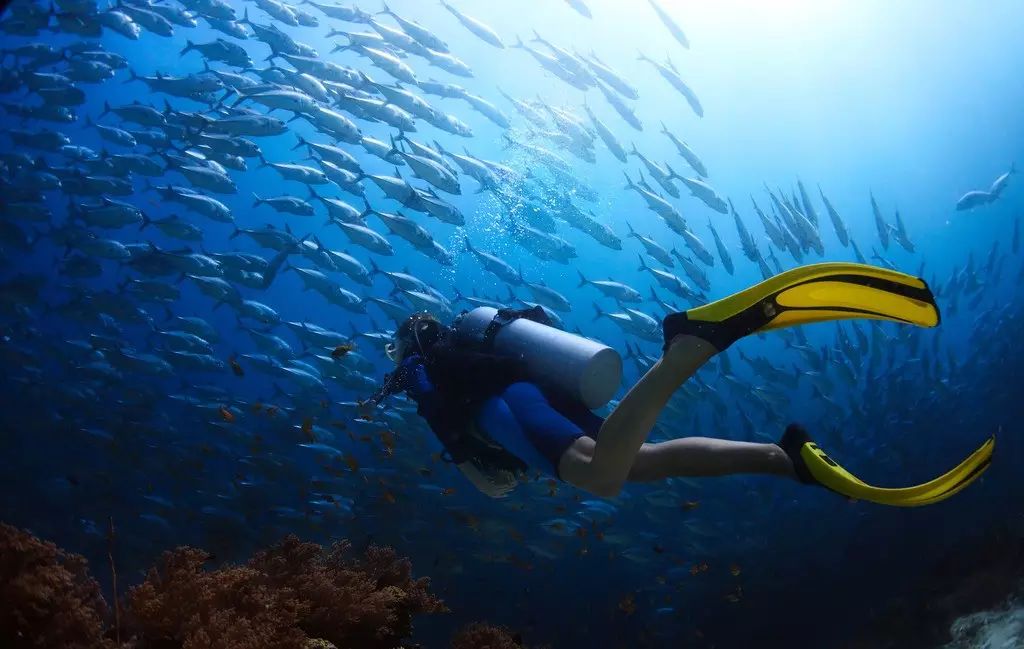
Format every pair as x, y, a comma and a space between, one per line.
577, 367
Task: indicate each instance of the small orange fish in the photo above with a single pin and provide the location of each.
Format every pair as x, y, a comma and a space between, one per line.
628, 605
235, 367
353, 465
227, 415
734, 569
307, 429
256, 407
271, 411
341, 350
690, 505
447, 491
389, 497
698, 568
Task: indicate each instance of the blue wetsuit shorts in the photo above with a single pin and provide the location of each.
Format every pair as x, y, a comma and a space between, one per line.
535, 427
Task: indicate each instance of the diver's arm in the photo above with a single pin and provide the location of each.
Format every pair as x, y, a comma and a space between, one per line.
430, 403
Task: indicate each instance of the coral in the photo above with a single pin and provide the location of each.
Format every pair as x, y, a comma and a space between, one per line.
281, 598
47, 598
483, 636
293, 595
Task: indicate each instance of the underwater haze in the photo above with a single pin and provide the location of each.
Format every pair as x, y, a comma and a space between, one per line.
194, 298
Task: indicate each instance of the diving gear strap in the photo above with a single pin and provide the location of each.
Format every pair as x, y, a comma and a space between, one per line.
506, 316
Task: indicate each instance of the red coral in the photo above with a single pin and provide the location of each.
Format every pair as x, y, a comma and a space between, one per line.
182, 605
483, 636
47, 598
285, 595
282, 598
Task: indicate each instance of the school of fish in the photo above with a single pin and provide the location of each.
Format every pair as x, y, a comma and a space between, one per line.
205, 346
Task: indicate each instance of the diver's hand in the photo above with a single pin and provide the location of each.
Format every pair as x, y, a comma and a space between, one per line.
496, 485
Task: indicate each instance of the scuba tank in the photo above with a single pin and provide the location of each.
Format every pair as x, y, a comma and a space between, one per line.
576, 367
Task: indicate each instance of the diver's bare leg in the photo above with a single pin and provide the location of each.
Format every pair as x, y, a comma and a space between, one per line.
628, 426
697, 457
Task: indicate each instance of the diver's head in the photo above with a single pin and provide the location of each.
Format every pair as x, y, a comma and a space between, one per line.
416, 335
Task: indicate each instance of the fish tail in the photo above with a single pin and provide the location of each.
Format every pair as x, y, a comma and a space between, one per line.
643, 264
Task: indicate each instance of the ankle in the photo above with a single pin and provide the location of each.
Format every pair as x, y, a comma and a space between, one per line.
684, 349
783, 462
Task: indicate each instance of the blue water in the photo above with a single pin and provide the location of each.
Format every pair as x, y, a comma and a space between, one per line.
914, 102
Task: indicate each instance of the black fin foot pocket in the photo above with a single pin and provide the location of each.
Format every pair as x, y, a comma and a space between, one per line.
679, 324
793, 439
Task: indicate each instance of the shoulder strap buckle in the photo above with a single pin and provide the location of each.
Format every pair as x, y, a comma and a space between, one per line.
507, 316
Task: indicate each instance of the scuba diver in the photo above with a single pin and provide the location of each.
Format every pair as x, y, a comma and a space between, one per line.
502, 390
